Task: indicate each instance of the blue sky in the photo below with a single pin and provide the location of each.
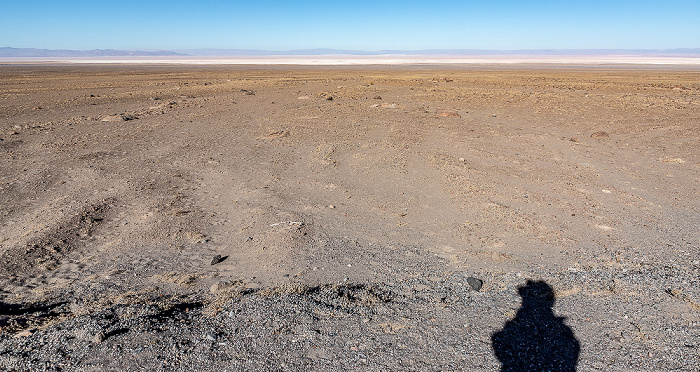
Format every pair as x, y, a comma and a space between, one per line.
360, 25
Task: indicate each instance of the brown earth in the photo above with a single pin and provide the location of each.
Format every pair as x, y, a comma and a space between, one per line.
119, 185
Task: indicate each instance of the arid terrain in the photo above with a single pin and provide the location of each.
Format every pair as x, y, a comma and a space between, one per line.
349, 218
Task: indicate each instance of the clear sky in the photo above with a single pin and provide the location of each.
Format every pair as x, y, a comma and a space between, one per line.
360, 25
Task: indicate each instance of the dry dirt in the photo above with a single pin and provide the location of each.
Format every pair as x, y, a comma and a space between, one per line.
348, 206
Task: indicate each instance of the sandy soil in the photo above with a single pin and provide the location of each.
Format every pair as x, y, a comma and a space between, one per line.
352, 208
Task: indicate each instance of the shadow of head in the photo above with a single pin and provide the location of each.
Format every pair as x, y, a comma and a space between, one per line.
536, 339
537, 295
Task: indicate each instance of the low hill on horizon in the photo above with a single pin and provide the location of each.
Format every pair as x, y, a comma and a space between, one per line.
34, 52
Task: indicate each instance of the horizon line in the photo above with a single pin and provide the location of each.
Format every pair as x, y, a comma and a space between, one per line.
240, 52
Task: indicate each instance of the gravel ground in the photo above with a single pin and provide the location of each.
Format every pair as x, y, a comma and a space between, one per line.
349, 218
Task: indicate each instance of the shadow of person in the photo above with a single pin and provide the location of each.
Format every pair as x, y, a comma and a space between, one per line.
536, 339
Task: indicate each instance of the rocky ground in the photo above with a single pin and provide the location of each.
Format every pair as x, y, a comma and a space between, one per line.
349, 218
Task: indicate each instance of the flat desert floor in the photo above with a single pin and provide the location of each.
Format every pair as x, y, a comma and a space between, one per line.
349, 218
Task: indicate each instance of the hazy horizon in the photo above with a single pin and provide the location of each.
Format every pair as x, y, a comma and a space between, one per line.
215, 52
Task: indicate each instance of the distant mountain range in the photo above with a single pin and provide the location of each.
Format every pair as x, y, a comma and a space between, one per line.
691, 52
32, 52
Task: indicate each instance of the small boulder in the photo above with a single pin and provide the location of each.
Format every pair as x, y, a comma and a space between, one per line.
113, 118
99, 337
475, 283
447, 114
120, 117
218, 258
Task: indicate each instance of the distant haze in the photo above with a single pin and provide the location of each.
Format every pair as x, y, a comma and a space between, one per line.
33, 53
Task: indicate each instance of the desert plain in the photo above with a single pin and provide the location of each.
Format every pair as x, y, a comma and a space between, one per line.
365, 218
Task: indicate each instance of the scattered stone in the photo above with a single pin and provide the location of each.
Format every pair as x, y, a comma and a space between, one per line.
224, 286
249, 239
211, 336
493, 115
278, 134
673, 160
218, 258
25, 333
196, 237
120, 117
331, 206
573, 139
447, 114
329, 98
99, 337
304, 97
113, 118
600, 134
475, 283
248, 92
377, 97
385, 105
568, 292
463, 160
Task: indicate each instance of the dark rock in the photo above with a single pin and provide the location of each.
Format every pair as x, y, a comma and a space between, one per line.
475, 283
218, 259
600, 134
